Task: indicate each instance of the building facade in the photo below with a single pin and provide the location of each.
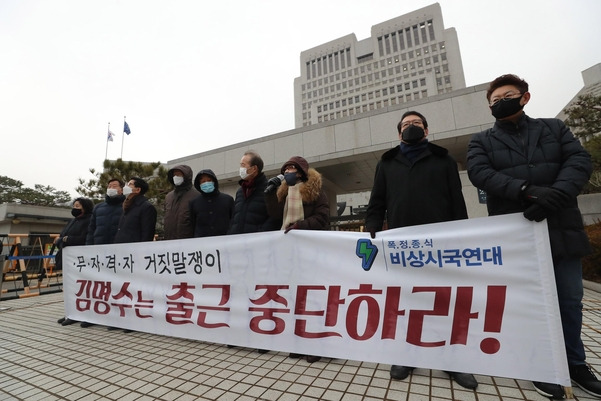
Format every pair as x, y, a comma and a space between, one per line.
407, 58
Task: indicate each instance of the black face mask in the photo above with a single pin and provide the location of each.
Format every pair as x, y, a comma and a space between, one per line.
76, 212
290, 179
506, 108
413, 134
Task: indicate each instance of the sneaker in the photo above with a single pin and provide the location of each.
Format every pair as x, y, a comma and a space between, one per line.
61, 320
583, 377
554, 391
86, 324
400, 372
465, 380
68, 322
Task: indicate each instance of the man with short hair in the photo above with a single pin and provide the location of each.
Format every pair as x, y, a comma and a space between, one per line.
250, 211
537, 167
138, 221
106, 215
416, 182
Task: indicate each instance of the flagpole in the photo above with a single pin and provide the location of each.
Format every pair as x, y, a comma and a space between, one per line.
107, 140
122, 137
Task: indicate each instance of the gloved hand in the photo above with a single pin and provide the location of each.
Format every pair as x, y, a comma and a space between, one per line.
550, 198
372, 233
535, 213
273, 183
292, 226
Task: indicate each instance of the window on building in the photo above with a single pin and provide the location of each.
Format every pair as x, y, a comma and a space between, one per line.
407, 86
395, 46
431, 29
408, 36
381, 46
387, 43
447, 79
422, 82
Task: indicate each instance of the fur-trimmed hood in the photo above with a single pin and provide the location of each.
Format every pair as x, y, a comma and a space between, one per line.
309, 189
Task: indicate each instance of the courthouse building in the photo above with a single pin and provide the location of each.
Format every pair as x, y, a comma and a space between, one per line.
349, 98
407, 58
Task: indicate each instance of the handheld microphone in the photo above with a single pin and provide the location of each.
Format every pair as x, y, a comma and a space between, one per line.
274, 183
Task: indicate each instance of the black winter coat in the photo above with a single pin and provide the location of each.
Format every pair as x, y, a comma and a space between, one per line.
211, 213
250, 214
425, 191
137, 224
76, 231
540, 152
105, 221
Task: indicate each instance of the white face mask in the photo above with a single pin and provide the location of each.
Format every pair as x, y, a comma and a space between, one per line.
243, 173
127, 190
112, 192
177, 180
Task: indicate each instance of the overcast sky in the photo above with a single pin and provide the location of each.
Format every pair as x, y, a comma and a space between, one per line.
194, 75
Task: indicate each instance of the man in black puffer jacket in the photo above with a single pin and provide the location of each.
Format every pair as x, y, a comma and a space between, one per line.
106, 215
138, 221
250, 210
537, 167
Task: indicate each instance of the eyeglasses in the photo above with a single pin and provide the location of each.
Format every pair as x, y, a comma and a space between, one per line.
506, 97
405, 124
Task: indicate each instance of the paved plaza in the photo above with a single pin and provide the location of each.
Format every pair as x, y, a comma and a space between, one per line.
41, 360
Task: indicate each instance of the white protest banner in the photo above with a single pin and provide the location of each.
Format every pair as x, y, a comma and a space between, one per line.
472, 296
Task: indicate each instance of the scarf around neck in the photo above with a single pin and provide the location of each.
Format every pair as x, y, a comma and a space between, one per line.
293, 208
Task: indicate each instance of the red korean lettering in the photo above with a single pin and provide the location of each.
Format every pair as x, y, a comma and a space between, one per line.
225, 297
415, 326
373, 312
331, 312
391, 312
270, 294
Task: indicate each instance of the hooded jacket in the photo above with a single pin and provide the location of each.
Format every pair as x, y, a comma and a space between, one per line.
316, 209
211, 213
427, 190
177, 220
540, 152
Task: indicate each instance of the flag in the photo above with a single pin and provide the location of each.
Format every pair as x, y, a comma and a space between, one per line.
126, 128
110, 136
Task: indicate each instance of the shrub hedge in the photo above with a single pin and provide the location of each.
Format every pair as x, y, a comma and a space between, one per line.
591, 264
